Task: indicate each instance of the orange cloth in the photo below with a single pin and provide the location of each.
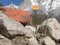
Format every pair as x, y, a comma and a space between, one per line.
18, 15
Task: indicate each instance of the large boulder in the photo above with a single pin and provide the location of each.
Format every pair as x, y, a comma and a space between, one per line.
13, 27
52, 28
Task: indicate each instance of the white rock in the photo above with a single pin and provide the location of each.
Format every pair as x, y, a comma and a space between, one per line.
47, 41
53, 28
31, 28
20, 40
33, 41
13, 26
4, 41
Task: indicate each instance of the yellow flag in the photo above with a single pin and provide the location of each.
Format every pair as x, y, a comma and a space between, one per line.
35, 7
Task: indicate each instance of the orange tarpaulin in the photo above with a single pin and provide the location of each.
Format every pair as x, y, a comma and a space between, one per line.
18, 15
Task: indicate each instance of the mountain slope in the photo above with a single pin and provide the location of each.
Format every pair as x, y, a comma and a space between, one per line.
44, 6
13, 6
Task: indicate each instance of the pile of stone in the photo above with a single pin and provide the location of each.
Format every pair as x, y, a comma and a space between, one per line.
14, 33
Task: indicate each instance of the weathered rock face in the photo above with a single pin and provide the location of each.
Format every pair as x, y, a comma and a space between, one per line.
4, 41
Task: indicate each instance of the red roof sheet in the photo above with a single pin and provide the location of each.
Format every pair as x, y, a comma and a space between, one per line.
18, 15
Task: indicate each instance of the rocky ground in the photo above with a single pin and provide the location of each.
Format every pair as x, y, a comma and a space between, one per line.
14, 33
